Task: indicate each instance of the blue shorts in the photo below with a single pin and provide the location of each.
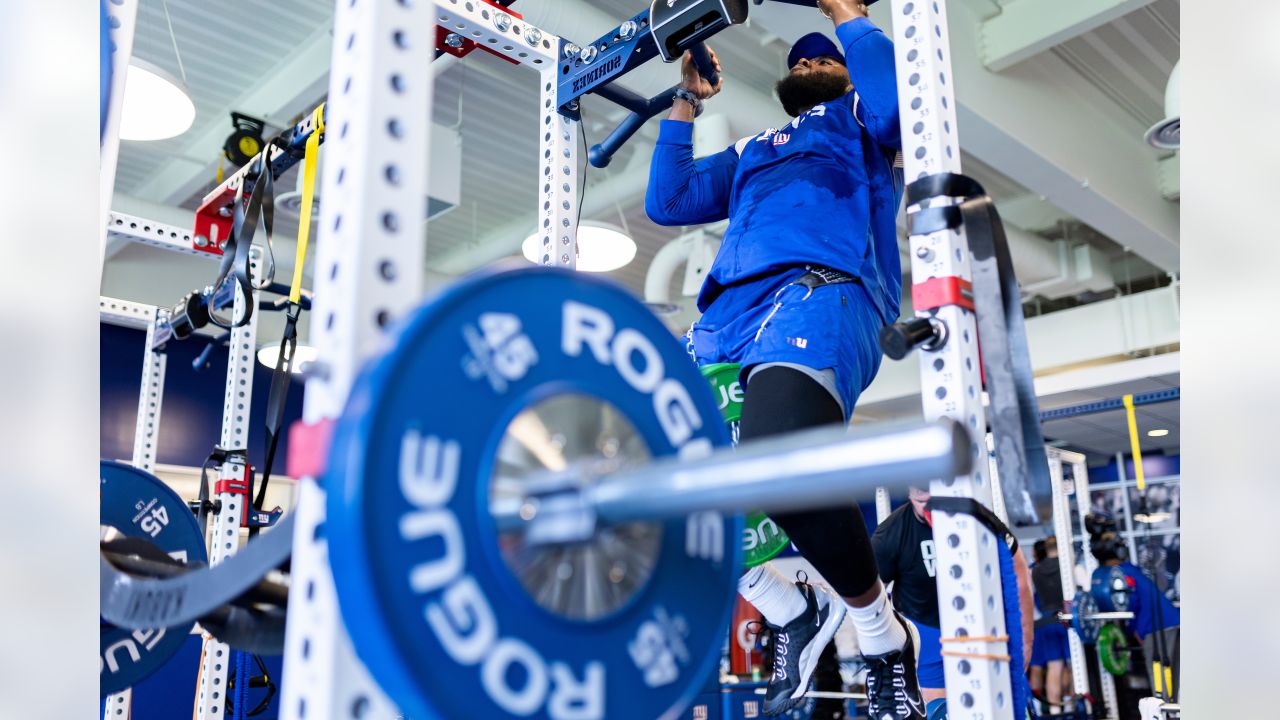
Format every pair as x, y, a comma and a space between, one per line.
771, 319
929, 668
1050, 643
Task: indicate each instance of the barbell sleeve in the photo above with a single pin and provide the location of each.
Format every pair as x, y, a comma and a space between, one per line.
800, 471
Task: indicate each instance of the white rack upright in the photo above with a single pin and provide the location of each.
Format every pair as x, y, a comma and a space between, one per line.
1064, 531
970, 598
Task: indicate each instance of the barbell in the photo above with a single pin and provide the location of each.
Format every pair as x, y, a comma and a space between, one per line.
559, 549
1087, 620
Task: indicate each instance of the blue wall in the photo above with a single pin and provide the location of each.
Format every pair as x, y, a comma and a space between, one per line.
170, 692
191, 412
1152, 466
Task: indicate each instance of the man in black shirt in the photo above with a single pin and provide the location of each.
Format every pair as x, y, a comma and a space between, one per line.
906, 556
1050, 673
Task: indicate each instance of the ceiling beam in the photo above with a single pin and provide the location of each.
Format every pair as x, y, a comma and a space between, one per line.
1026, 28
1033, 213
291, 87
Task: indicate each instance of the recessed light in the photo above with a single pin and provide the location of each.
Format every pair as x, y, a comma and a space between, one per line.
269, 354
1158, 432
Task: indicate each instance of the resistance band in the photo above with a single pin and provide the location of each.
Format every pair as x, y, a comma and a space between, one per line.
1133, 443
1162, 672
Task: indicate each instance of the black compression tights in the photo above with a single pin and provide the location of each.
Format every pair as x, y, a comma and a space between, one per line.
781, 400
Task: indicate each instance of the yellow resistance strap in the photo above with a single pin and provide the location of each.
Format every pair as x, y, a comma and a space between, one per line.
1133, 442
308, 197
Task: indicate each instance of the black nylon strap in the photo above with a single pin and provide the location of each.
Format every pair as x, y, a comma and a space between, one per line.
979, 512
1014, 411
236, 255
281, 377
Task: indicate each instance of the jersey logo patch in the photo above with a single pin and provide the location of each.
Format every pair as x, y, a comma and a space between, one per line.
781, 138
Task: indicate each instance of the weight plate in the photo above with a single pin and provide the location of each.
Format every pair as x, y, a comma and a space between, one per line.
762, 539
432, 605
139, 505
1113, 649
1083, 607
1119, 586
1110, 588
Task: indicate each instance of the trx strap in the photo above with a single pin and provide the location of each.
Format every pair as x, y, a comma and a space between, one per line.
282, 375
1014, 414
236, 253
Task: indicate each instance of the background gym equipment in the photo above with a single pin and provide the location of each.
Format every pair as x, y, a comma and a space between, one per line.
142, 516
245, 142
1113, 649
1087, 619
543, 494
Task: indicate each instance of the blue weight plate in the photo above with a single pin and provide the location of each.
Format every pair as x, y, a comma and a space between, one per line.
140, 505
424, 590
1083, 607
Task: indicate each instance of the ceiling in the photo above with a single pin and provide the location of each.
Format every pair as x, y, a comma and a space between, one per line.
1107, 433
493, 106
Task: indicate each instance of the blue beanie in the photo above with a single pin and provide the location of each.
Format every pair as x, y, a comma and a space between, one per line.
814, 45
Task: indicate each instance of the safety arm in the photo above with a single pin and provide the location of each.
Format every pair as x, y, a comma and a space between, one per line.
684, 191
869, 53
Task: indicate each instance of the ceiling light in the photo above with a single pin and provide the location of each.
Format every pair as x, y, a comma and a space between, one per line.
601, 248
156, 105
269, 354
1158, 432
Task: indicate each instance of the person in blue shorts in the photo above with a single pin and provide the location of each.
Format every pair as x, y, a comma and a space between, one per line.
1050, 673
807, 275
907, 557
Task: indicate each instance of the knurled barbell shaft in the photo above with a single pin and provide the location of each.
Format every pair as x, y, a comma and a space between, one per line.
799, 471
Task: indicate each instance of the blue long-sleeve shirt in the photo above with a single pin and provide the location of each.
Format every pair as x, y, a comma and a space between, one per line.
822, 190
1143, 597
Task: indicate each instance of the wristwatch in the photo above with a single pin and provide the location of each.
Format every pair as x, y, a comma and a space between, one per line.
689, 97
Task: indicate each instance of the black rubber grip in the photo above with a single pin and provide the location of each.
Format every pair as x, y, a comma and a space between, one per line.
899, 339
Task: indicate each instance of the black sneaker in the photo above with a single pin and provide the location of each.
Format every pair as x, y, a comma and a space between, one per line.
798, 645
892, 690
